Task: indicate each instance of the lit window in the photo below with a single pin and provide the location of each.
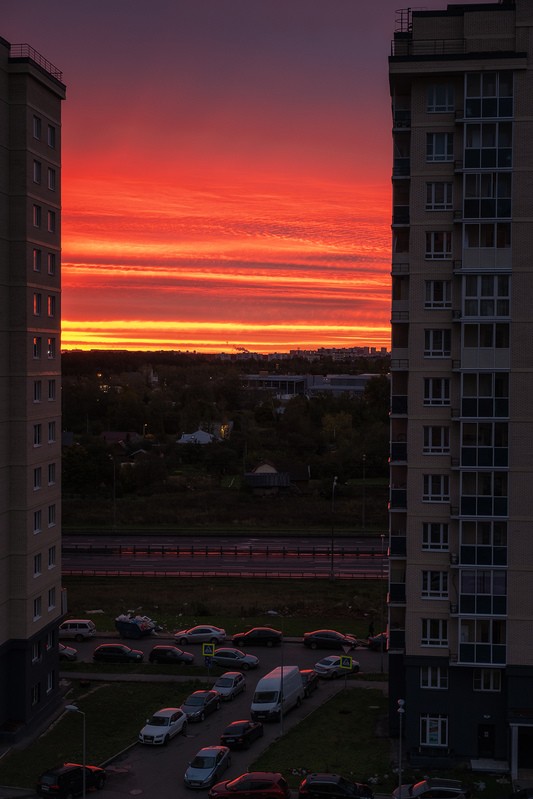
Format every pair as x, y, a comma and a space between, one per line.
37, 259
51, 305
434, 677
37, 344
37, 521
37, 565
52, 182
51, 348
37, 215
433, 730
37, 171
37, 304
37, 608
37, 390
434, 632
51, 221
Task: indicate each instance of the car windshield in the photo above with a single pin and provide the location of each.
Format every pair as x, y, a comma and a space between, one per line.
159, 721
235, 729
195, 700
224, 682
203, 761
264, 697
327, 661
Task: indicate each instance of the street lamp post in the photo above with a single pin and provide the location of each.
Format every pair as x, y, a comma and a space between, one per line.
382, 640
363, 512
401, 711
332, 567
75, 709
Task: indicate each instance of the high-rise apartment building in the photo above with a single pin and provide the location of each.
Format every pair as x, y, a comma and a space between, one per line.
31, 91
461, 513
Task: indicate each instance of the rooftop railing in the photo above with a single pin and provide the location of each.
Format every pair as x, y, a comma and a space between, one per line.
25, 51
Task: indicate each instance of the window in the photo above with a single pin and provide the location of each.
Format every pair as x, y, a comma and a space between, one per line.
437, 343
436, 488
485, 394
488, 145
51, 348
51, 473
51, 263
51, 515
36, 651
491, 335
51, 221
37, 565
434, 632
37, 343
37, 171
434, 677
37, 302
51, 432
439, 147
436, 391
51, 390
50, 682
434, 585
37, 259
52, 557
482, 641
486, 295
37, 608
37, 478
37, 521
36, 694
37, 390
484, 543
37, 435
51, 136
435, 536
484, 444
438, 244
487, 235
433, 730
438, 294
51, 305
51, 598
37, 127
487, 195
483, 591
484, 493
37, 215
50, 640
487, 680
440, 98
439, 196
436, 440
52, 179
489, 94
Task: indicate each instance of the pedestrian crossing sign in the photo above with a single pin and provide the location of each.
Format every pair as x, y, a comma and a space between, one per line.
346, 662
208, 650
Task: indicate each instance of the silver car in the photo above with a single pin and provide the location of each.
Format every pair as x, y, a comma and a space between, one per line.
234, 659
201, 634
336, 666
207, 767
230, 684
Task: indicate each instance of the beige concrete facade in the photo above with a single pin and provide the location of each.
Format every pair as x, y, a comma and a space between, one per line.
31, 92
461, 520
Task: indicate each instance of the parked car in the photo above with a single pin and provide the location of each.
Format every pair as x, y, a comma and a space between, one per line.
200, 704
330, 667
234, 659
259, 784
377, 643
200, 634
310, 681
207, 767
67, 652
258, 636
117, 653
433, 788
329, 639
170, 655
230, 684
67, 780
164, 725
333, 786
78, 629
240, 734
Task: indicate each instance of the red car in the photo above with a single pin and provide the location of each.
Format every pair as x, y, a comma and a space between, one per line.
260, 784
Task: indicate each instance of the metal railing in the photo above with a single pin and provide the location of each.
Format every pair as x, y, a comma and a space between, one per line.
25, 51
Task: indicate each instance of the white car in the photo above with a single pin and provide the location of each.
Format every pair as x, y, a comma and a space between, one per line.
230, 684
331, 666
164, 725
201, 634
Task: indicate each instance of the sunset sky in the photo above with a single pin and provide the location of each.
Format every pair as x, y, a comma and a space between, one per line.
226, 170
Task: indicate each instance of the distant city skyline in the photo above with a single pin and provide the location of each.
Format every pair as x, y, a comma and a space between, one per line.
226, 170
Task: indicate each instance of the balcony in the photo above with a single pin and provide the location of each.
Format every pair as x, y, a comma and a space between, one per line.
401, 168
398, 499
396, 639
401, 119
398, 451
482, 654
399, 316
398, 268
398, 546
399, 405
400, 215
396, 595
399, 364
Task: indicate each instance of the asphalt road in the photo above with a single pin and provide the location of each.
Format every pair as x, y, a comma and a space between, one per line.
158, 771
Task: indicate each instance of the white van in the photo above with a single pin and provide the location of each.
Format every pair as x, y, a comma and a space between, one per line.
278, 691
78, 629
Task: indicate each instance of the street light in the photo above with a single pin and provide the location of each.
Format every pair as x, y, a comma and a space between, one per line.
332, 568
382, 641
75, 709
401, 711
363, 512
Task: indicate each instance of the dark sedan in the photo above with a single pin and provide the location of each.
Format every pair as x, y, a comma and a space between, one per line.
329, 639
240, 734
117, 653
200, 704
333, 786
258, 636
310, 680
170, 654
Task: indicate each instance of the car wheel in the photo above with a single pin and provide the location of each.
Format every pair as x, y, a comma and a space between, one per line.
245, 666
313, 645
165, 742
100, 782
183, 640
